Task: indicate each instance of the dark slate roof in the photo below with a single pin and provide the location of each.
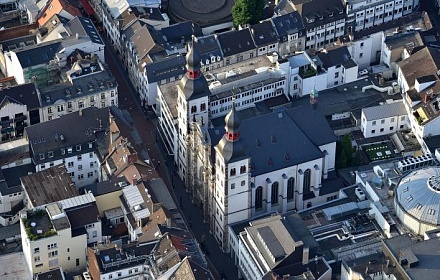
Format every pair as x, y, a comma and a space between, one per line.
208, 47
275, 141
182, 31
334, 57
37, 54
171, 66
108, 186
236, 41
147, 13
50, 185
84, 27
25, 94
288, 24
328, 10
88, 83
313, 123
83, 215
11, 177
57, 134
263, 33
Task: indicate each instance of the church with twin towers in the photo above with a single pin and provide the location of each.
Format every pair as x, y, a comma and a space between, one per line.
248, 165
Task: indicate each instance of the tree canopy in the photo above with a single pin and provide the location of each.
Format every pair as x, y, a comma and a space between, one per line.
247, 12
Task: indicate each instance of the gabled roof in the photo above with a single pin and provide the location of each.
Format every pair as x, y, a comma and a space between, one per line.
84, 27
236, 41
83, 215
182, 31
25, 94
58, 133
208, 47
383, 111
56, 7
319, 12
144, 43
422, 63
287, 24
334, 57
281, 139
171, 66
263, 33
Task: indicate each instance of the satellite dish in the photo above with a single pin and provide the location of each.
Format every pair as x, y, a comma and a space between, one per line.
33, 224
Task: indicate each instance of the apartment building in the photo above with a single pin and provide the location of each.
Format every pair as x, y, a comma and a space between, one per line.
384, 119
88, 83
55, 142
49, 242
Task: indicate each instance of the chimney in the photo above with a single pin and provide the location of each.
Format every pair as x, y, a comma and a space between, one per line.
305, 259
80, 112
77, 36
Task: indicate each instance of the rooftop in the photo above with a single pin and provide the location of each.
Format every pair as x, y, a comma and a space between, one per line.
236, 41
57, 134
383, 111
25, 94
50, 185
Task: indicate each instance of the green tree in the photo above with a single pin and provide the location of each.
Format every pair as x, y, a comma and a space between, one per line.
247, 12
341, 162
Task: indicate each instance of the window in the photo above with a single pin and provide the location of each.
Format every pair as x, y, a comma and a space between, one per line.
91, 154
51, 246
61, 108
382, 121
381, 130
402, 118
336, 75
81, 177
50, 154
119, 274
79, 157
43, 166
80, 167
274, 193
307, 179
91, 164
232, 186
391, 127
72, 174
373, 123
361, 55
290, 188
373, 131
36, 258
362, 44
80, 104
68, 250
70, 164
41, 156
78, 148
77, 262
242, 169
110, 276
243, 183
233, 172
193, 109
49, 110
90, 175
94, 233
392, 119
52, 254
203, 107
259, 198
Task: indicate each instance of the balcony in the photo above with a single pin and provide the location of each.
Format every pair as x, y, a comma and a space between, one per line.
38, 225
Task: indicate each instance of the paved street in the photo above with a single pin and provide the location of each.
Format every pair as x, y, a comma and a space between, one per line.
220, 263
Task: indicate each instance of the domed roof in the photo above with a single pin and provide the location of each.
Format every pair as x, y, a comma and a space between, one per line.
193, 59
418, 194
232, 120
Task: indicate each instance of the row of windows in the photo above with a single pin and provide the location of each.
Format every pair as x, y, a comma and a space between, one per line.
382, 129
50, 154
290, 190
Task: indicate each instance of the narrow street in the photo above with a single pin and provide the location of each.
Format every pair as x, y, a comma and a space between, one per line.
219, 263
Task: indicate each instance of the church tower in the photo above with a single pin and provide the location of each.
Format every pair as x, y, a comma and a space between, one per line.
192, 106
232, 192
